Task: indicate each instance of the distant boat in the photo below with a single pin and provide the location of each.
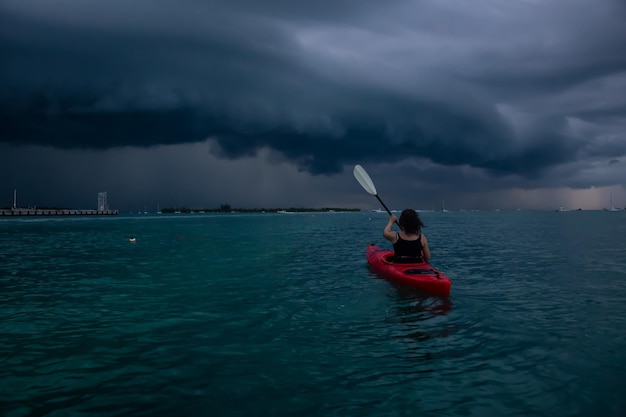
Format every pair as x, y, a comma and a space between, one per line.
561, 209
158, 209
611, 206
284, 212
379, 210
443, 207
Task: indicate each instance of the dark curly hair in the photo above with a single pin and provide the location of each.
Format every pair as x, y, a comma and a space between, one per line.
410, 222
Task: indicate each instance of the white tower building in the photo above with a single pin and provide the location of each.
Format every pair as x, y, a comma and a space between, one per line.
103, 205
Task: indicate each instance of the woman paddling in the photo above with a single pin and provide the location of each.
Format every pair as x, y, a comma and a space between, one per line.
409, 245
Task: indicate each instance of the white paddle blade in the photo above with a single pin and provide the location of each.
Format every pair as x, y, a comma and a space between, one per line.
364, 179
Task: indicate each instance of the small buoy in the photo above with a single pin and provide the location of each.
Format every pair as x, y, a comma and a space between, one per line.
132, 239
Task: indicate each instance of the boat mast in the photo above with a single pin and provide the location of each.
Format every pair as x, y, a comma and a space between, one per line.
14, 199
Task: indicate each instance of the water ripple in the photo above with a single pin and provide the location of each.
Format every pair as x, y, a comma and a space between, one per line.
279, 315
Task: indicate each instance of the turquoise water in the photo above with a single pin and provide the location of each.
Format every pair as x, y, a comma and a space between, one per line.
270, 314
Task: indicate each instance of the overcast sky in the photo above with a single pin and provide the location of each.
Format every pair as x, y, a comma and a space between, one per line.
483, 104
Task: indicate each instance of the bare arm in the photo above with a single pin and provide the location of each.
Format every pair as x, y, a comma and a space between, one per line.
425, 249
387, 233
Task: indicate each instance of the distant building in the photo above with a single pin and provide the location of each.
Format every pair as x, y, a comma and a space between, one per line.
103, 204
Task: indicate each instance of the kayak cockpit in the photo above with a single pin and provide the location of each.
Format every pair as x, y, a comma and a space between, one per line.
392, 259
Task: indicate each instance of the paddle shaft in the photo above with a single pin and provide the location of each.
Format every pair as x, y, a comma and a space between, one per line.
388, 211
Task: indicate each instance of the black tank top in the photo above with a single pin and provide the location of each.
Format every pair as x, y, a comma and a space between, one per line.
408, 248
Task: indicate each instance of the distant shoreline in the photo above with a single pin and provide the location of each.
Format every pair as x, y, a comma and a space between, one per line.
55, 212
228, 209
225, 208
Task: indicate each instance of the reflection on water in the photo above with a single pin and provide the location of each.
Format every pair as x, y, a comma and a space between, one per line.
415, 310
412, 301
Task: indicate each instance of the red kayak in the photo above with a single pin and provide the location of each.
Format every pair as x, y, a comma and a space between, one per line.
421, 275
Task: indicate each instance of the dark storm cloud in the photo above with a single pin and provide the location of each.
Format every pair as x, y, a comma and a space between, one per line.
487, 85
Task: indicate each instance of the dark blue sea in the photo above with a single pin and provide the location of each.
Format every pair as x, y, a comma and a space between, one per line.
273, 314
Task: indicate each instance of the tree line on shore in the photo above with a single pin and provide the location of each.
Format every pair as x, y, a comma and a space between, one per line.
227, 208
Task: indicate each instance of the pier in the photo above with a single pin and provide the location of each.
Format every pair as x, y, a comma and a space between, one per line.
103, 209
56, 212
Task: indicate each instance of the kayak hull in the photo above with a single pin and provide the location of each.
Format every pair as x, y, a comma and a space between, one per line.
420, 275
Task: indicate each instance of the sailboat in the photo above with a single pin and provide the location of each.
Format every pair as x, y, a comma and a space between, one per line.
443, 208
158, 209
